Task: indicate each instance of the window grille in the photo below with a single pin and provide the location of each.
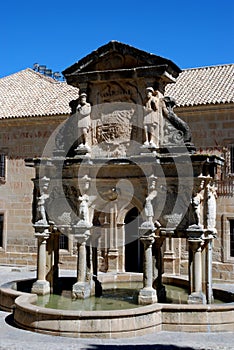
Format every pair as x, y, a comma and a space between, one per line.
63, 242
232, 238
2, 166
1, 229
232, 159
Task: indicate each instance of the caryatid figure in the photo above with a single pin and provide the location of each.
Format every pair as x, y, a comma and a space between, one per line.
84, 121
149, 210
151, 118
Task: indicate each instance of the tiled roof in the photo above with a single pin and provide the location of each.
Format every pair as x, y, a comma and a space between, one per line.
201, 86
29, 93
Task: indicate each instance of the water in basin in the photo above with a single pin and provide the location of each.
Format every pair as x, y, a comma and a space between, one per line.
119, 296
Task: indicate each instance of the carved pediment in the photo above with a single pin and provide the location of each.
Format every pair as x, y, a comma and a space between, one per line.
116, 55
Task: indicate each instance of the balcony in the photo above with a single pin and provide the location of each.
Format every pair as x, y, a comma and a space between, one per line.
225, 187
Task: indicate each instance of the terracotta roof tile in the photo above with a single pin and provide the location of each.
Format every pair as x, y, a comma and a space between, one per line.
205, 85
29, 93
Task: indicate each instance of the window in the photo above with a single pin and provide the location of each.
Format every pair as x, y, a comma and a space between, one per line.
63, 242
232, 159
1, 229
2, 166
232, 238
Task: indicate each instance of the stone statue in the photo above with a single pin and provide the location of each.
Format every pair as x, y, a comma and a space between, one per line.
211, 206
83, 111
41, 217
197, 200
84, 199
151, 118
84, 210
149, 210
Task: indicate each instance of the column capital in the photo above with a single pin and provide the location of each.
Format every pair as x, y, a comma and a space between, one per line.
195, 244
147, 240
82, 238
41, 232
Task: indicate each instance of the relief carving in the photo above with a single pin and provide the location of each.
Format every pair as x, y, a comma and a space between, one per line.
176, 131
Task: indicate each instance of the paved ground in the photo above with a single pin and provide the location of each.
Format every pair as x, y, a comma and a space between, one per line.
12, 338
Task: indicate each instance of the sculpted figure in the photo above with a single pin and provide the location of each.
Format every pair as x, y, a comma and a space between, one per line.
83, 111
197, 200
41, 218
84, 200
211, 206
84, 209
149, 210
151, 118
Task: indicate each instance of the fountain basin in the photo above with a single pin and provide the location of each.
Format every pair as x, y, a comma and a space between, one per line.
121, 323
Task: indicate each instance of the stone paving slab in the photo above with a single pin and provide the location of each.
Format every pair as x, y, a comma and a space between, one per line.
12, 338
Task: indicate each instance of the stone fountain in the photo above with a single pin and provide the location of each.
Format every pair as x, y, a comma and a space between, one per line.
123, 147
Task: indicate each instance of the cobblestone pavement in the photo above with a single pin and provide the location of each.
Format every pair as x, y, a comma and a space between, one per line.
12, 338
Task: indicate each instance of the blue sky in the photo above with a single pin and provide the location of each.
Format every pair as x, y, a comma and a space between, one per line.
59, 33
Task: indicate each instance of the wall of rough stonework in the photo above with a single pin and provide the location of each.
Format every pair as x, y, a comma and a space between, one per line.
19, 139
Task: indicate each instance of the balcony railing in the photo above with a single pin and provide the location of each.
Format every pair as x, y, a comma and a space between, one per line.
225, 187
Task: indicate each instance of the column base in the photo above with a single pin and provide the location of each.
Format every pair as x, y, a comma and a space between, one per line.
81, 290
41, 287
147, 296
197, 298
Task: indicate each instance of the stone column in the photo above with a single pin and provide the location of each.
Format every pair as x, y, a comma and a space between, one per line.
147, 294
158, 269
121, 246
209, 290
169, 254
41, 286
208, 238
196, 296
81, 289
113, 253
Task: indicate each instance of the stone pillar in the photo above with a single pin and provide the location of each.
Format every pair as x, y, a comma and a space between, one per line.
196, 296
208, 268
169, 254
113, 253
158, 269
41, 286
121, 246
82, 288
147, 294
209, 290
52, 259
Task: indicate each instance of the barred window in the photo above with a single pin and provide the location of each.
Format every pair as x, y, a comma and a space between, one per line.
232, 238
1, 229
232, 159
63, 242
2, 166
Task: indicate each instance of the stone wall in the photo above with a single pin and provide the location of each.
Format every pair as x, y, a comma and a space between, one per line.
212, 128
19, 139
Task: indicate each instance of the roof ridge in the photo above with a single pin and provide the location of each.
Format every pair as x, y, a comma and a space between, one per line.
30, 70
205, 67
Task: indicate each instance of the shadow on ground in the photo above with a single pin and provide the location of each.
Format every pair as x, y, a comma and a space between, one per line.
140, 347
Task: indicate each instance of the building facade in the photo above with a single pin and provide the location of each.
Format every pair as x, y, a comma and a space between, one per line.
33, 106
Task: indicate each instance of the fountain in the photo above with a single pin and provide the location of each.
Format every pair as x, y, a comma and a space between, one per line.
125, 150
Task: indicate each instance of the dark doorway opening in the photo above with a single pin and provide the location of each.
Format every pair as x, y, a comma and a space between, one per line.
133, 248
